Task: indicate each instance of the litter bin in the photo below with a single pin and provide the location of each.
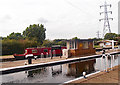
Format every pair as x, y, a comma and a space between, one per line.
29, 60
29, 57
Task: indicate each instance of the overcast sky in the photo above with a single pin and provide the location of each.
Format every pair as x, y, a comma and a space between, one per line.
61, 18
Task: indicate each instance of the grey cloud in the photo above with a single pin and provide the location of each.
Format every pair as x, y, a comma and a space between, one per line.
42, 20
5, 19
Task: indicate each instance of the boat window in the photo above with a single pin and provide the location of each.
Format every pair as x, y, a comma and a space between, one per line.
34, 51
45, 50
85, 45
25, 51
73, 45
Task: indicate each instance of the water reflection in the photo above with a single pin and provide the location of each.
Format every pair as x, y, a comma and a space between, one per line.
32, 73
56, 72
76, 69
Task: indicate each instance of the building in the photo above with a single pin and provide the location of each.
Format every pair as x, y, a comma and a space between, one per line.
106, 43
79, 47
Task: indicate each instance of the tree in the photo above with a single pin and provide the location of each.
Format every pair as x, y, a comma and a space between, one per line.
111, 36
15, 36
75, 38
47, 43
35, 31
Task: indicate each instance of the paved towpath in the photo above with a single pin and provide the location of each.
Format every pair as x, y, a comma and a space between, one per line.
101, 77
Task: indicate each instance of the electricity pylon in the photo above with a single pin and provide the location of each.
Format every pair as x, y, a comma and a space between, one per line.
98, 34
106, 18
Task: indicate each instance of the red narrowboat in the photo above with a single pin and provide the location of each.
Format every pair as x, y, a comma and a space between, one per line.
41, 52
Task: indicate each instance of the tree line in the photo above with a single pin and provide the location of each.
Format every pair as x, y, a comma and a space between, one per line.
32, 36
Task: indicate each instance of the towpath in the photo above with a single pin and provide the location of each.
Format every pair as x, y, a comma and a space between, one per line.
102, 78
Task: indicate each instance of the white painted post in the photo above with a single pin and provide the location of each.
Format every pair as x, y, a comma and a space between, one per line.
111, 62
112, 44
106, 63
25, 63
42, 55
102, 63
66, 53
74, 45
84, 74
35, 57
113, 59
54, 54
50, 53
46, 55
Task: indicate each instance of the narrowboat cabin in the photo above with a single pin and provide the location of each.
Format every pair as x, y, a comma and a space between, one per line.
41, 52
78, 47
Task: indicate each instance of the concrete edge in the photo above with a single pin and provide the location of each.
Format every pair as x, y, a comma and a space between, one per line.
81, 77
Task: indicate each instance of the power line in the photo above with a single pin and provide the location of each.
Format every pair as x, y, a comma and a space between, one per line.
75, 6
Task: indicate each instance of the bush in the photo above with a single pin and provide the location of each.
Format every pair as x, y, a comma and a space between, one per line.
10, 47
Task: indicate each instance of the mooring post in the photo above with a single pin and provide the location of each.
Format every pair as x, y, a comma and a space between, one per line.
51, 55
46, 55
42, 55
84, 75
103, 55
112, 44
102, 63
111, 62
54, 53
60, 54
106, 63
35, 57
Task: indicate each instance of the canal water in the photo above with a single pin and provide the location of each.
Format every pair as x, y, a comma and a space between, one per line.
60, 73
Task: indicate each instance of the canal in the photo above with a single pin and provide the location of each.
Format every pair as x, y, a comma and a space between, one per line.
60, 73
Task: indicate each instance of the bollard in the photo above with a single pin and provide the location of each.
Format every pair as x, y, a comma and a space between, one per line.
51, 54
35, 57
42, 55
111, 62
106, 63
46, 55
25, 63
54, 53
60, 54
84, 75
112, 44
102, 63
